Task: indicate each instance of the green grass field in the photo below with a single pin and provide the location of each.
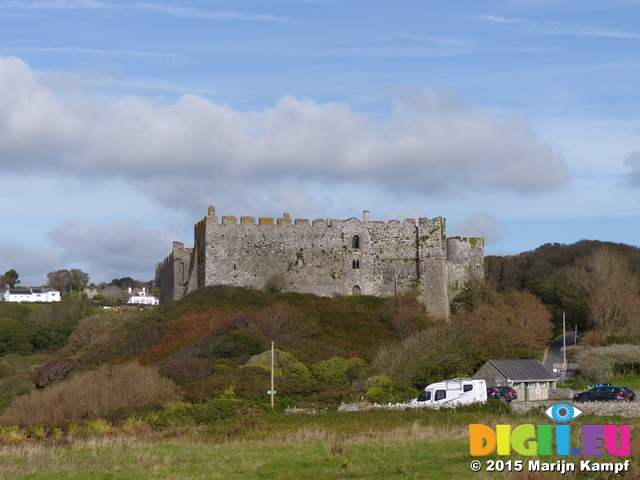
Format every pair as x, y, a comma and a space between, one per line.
415, 444
330, 459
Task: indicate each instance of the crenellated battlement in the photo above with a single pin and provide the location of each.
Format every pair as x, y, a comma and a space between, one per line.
286, 220
326, 256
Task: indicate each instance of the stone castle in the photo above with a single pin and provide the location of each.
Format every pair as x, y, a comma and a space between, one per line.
325, 257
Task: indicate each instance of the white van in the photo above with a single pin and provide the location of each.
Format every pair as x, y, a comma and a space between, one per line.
457, 391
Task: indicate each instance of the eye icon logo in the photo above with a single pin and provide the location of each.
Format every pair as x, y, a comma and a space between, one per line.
562, 412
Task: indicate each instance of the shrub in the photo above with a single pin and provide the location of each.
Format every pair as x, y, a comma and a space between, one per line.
378, 389
92, 331
296, 387
15, 311
142, 338
248, 382
382, 389
275, 283
185, 369
15, 337
183, 414
490, 406
284, 323
405, 313
53, 323
89, 395
596, 364
283, 362
12, 387
5, 371
54, 370
334, 371
440, 351
231, 344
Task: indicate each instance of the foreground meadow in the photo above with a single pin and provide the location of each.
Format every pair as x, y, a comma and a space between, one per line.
420, 444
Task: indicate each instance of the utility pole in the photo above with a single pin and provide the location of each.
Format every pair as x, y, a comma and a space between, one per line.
272, 392
564, 347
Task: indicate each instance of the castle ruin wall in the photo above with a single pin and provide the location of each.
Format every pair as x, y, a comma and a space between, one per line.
326, 257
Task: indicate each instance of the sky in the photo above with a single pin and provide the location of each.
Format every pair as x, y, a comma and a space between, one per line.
122, 121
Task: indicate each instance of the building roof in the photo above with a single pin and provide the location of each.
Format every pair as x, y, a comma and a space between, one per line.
29, 291
523, 369
19, 291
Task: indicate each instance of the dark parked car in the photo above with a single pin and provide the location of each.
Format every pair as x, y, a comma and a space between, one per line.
603, 394
506, 394
632, 394
492, 392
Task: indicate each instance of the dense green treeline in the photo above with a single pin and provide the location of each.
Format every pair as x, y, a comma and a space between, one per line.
28, 328
595, 284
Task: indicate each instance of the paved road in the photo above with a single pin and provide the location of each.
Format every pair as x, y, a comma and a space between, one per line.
554, 354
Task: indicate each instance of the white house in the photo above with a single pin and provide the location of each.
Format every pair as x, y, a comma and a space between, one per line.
43, 295
141, 297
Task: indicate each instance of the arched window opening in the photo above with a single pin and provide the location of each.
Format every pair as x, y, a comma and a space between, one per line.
355, 264
356, 290
355, 242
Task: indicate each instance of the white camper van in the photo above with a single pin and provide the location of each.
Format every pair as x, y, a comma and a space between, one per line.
457, 391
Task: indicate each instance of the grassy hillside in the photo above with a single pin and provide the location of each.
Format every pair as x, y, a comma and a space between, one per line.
343, 326
215, 344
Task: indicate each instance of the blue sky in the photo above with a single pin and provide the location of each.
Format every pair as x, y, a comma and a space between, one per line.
120, 122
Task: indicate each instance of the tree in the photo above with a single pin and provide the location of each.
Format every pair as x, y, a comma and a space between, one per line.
284, 323
53, 323
507, 325
439, 351
611, 288
61, 280
79, 279
113, 293
10, 278
124, 282
405, 313
531, 318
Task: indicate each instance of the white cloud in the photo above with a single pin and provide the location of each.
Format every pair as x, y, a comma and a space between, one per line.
112, 248
479, 224
73, 51
633, 162
185, 153
559, 28
172, 10
105, 251
31, 263
430, 39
